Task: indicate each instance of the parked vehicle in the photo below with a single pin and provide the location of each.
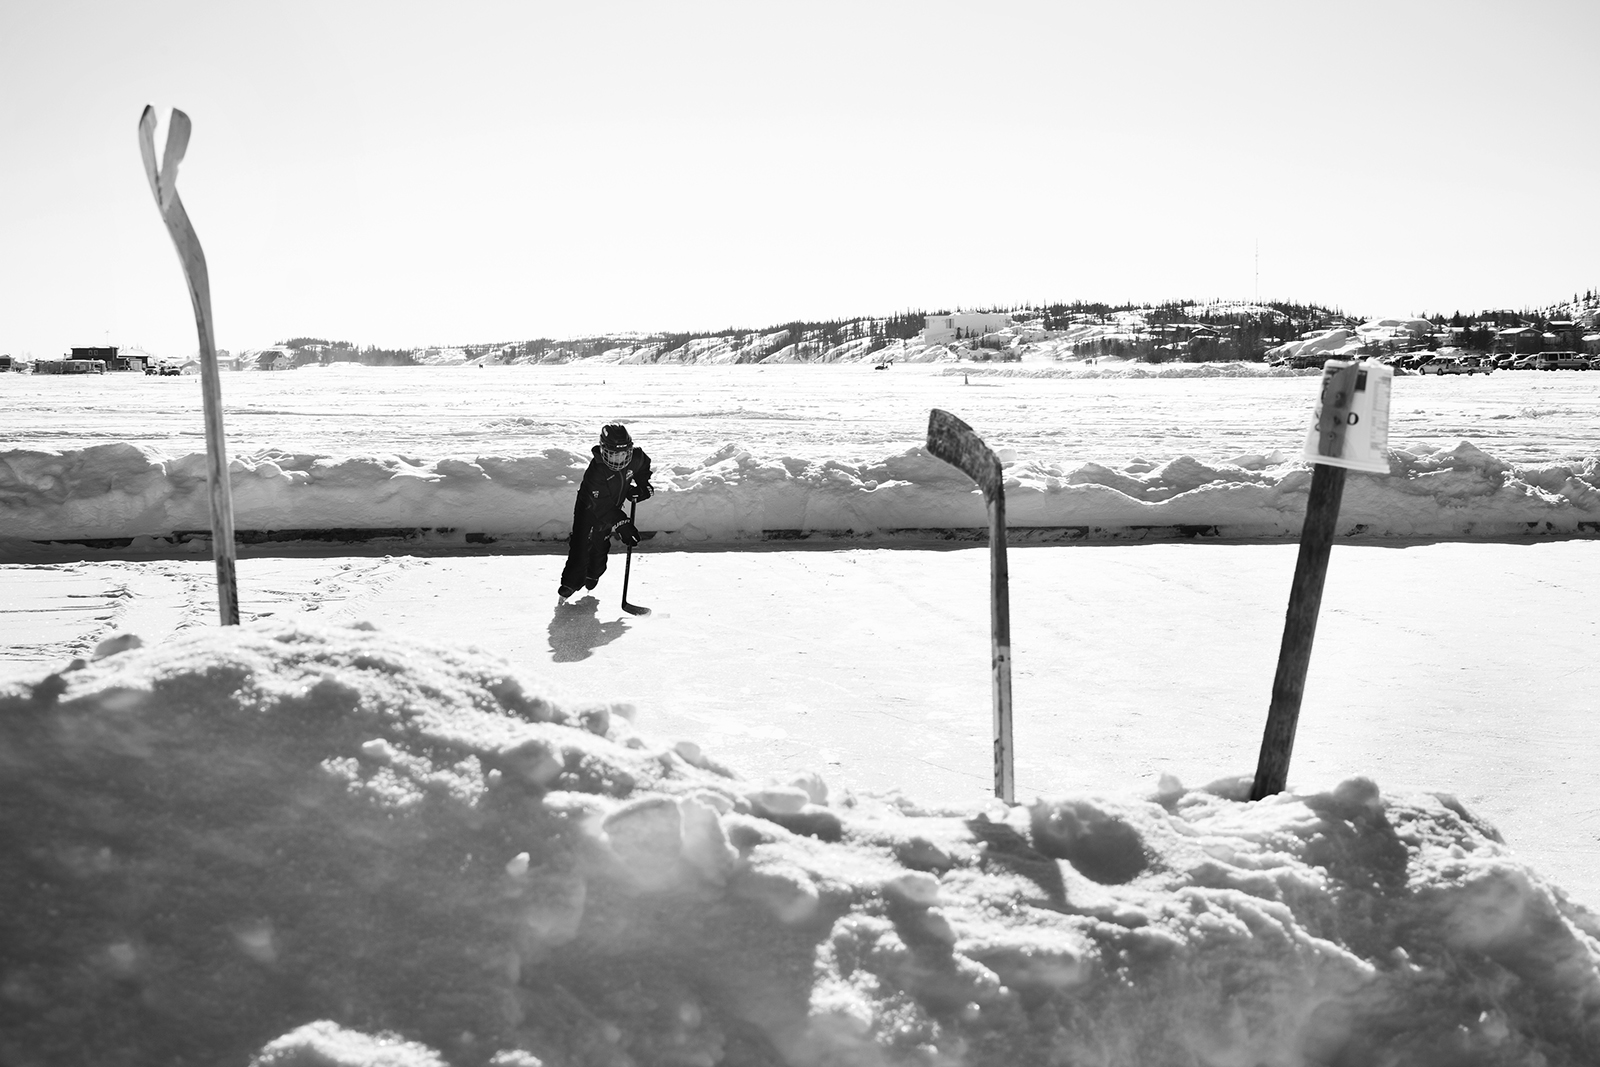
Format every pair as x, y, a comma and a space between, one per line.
1561, 361
1452, 365
1527, 362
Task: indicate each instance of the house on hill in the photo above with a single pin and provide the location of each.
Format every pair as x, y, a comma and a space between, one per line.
1519, 340
1562, 335
278, 357
938, 329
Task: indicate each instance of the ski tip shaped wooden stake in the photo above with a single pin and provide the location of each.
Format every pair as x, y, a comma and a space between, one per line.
164, 186
163, 182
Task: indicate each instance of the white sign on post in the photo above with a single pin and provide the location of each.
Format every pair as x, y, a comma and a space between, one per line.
1350, 428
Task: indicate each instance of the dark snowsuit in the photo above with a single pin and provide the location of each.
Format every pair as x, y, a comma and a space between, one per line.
601, 504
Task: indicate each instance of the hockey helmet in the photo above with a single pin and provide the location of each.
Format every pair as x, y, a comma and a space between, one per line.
616, 445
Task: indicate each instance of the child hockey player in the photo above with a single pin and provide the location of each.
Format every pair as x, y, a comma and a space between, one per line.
618, 473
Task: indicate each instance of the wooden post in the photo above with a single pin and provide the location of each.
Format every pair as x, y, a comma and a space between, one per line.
1005, 773
1339, 386
164, 184
956, 443
1299, 628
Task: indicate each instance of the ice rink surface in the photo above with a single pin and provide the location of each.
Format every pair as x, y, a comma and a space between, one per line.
1463, 668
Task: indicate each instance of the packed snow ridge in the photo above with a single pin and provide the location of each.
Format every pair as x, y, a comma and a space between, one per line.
123, 491
290, 845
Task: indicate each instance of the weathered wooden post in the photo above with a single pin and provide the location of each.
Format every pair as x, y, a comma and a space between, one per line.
1350, 432
956, 443
164, 184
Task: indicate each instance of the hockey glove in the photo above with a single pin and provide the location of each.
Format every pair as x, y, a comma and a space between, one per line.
626, 532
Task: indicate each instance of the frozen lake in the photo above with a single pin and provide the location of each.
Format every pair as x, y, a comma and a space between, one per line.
848, 413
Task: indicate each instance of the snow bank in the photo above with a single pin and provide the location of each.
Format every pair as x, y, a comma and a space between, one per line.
335, 846
440, 357
122, 491
1239, 308
1400, 329
1329, 344
1349, 344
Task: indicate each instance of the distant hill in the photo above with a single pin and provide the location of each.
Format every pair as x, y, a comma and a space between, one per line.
1197, 331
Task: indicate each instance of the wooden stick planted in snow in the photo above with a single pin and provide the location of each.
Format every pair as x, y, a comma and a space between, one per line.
1350, 431
956, 443
1299, 628
164, 184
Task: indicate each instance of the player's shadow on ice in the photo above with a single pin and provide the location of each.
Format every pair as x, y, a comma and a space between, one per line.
576, 631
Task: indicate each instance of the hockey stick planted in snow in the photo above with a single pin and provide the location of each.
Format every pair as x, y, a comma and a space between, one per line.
956, 443
627, 568
164, 184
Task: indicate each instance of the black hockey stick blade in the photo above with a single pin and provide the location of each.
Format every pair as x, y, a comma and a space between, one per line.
627, 570
631, 609
960, 446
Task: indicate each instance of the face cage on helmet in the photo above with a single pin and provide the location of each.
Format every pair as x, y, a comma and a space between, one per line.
617, 458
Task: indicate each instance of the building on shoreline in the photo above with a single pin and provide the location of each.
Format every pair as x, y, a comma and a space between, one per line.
69, 366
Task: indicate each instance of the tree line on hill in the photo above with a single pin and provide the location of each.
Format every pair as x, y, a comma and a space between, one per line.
1188, 330
1194, 332
309, 350
810, 337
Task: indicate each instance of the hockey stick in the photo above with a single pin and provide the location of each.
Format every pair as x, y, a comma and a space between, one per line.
164, 184
954, 441
627, 568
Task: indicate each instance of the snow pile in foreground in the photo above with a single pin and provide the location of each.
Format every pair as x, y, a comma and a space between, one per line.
334, 846
128, 491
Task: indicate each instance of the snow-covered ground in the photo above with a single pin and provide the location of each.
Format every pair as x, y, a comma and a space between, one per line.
347, 847
540, 852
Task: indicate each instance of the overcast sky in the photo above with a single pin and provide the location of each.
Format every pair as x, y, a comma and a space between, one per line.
404, 174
